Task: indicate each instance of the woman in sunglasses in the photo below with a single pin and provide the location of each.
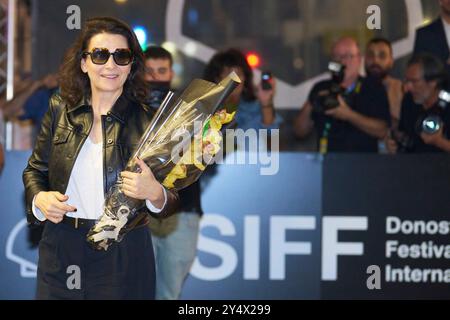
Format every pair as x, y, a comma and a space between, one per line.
86, 138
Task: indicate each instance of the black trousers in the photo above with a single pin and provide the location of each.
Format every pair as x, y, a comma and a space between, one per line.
69, 269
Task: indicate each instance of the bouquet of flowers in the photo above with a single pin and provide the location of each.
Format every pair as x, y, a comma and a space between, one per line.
181, 140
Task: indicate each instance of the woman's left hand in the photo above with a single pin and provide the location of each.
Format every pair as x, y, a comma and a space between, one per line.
143, 185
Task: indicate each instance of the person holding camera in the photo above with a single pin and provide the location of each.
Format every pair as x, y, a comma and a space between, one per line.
350, 113
255, 107
425, 115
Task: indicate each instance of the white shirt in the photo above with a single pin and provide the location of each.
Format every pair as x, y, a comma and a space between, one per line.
85, 188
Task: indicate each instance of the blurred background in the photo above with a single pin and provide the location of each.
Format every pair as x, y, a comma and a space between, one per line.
291, 38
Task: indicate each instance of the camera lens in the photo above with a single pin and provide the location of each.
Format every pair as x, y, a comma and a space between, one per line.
431, 124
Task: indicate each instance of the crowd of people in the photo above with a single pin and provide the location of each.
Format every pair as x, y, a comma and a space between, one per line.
377, 112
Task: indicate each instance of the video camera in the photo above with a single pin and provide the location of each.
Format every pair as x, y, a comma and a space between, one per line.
328, 99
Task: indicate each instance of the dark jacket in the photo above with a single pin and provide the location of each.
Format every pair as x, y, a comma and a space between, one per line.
432, 39
63, 132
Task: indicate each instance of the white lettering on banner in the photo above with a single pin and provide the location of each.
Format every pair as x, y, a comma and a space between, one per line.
406, 274
425, 250
279, 247
216, 247
331, 248
395, 225
251, 247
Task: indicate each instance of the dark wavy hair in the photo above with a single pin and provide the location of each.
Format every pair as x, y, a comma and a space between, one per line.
75, 83
231, 58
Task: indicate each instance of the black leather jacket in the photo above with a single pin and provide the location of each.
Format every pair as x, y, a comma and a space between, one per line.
64, 131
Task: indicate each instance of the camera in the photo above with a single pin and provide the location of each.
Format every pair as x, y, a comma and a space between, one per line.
405, 143
266, 76
432, 122
328, 99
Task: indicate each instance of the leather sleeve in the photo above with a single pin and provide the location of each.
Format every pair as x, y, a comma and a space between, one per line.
35, 175
173, 202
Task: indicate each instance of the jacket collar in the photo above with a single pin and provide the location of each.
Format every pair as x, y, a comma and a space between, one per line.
119, 110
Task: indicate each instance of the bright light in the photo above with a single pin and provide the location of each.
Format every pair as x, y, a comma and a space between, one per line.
190, 48
253, 60
426, 21
141, 34
170, 46
120, 1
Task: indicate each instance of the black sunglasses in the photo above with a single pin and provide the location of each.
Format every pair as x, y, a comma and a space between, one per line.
122, 57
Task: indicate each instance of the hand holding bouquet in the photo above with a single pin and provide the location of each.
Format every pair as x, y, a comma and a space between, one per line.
181, 140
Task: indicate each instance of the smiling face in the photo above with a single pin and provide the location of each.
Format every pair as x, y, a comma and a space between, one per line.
107, 78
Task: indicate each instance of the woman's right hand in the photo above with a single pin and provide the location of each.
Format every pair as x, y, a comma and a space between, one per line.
53, 205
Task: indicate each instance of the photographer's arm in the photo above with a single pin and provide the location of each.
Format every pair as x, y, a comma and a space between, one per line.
438, 140
444, 144
372, 126
268, 114
303, 124
265, 98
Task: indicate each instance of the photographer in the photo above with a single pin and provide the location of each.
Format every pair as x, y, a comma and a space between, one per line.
378, 63
255, 106
350, 119
425, 116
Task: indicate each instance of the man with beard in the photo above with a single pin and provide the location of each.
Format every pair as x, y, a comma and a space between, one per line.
435, 37
361, 115
425, 78
379, 60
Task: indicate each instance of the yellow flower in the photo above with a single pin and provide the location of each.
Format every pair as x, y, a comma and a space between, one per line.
178, 172
209, 144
